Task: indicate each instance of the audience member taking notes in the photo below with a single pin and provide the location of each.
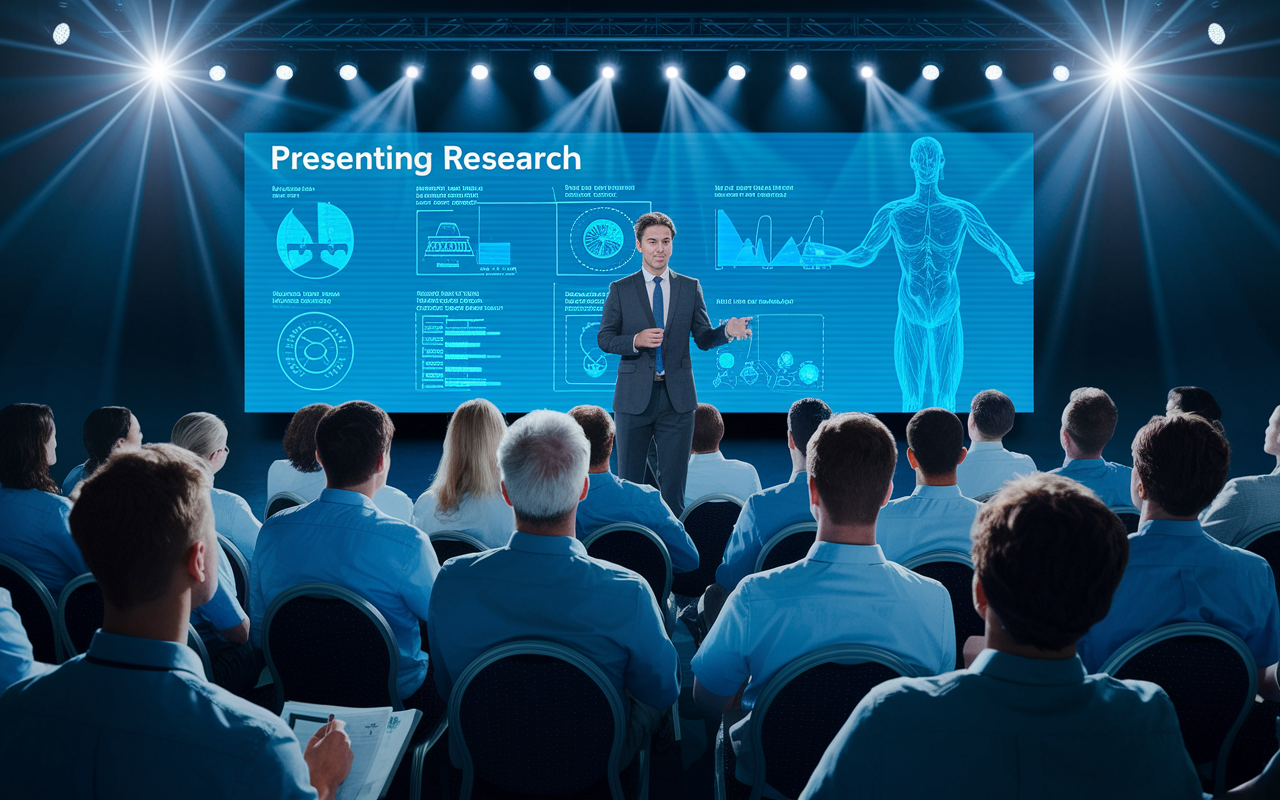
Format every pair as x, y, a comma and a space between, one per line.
206, 436
1250, 504
106, 430
709, 471
989, 464
1088, 423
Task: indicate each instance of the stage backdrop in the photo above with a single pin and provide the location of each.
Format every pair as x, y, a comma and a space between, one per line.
418, 270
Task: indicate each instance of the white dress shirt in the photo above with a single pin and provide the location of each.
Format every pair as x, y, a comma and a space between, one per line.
988, 466
488, 518
712, 473
282, 477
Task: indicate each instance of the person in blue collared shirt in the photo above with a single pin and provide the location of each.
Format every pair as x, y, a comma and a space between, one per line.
1249, 504
33, 516
843, 592
1176, 573
134, 717
612, 499
543, 585
16, 659
206, 436
341, 537
709, 471
1088, 423
989, 464
767, 512
935, 516
1024, 720
106, 430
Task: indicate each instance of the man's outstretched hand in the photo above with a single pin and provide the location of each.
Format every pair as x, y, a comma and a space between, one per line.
738, 328
1024, 277
328, 756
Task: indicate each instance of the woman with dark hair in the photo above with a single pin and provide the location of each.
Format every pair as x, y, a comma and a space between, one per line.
106, 430
33, 516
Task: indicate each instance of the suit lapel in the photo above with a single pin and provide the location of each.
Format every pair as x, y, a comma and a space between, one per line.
676, 284
643, 294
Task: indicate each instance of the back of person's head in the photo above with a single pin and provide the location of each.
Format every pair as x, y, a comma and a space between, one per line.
102, 429
936, 437
200, 432
25, 432
597, 426
349, 440
1050, 556
992, 413
300, 437
1194, 400
469, 463
804, 418
1182, 461
851, 460
708, 428
1090, 419
544, 458
137, 517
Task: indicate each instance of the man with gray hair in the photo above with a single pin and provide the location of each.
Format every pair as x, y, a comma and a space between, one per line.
543, 584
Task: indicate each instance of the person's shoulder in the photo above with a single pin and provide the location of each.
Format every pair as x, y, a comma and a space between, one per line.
1130, 702
639, 492
620, 282
231, 498
914, 582
35, 499
914, 702
1117, 468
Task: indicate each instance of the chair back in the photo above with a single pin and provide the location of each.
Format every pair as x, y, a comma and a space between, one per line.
1208, 673
1129, 515
1266, 543
35, 606
239, 568
282, 500
196, 643
954, 570
638, 549
448, 544
80, 612
535, 717
709, 522
303, 629
985, 496
787, 546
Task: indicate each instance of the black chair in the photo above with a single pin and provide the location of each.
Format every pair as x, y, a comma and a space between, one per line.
36, 607
1209, 674
1129, 515
638, 549
797, 715
709, 522
985, 496
80, 613
239, 568
196, 643
536, 718
954, 570
448, 544
282, 500
1266, 543
787, 546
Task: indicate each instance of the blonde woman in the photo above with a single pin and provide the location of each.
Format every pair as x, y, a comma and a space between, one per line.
466, 494
206, 436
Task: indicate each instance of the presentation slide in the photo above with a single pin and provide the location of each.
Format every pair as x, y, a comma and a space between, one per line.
882, 272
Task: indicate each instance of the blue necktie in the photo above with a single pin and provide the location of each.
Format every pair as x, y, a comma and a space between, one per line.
658, 316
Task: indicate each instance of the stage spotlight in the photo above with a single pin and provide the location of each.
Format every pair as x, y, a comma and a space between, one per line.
737, 72
414, 62
412, 72
672, 61
158, 70
61, 33
1117, 71
864, 60
608, 62
542, 72
345, 62
480, 62
217, 72
286, 64
1061, 72
1217, 34
540, 62
931, 66
217, 63
993, 63
930, 72
798, 62
739, 62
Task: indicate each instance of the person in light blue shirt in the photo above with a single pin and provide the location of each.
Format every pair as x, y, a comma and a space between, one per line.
1249, 504
1176, 573
935, 516
543, 585
767, 512
17, 662
134, 717
709, 471
33, 516
612, 499
842, 592
1088, 423
206, 436
989, 464
107, 430
342, 538
1024, 720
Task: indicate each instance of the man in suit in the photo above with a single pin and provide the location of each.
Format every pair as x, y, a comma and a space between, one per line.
648, 319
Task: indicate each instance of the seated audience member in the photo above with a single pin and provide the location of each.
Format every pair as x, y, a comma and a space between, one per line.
611, 499
206, 436
106, 430
1088, 422
341, 537
1194, 400
17, 662
767, 512
935, 516
709, 471
466, 493
543, 585
1248, 504
1025, 719
301, 474
135, 717
33, 516
988, 464
842, 592
1176, 572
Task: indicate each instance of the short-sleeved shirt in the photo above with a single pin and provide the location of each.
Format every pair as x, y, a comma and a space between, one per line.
342, 538
1244, 505
73, 477
1177, 573
1109, 481
712, 473
547, 587
282, 477
233, 519
488, 517
17, 661
763, 515
611, 499
988, 466
34, 530
135, 718
930, 518
1009, 726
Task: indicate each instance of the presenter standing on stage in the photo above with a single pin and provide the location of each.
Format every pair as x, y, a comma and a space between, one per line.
648, 319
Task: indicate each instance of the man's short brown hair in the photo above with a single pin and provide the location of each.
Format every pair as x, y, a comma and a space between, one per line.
992, 413
851, 460
1090, 418
1050, 555
300, 437
136, 518
598, 427
350, 438
708, 428
936, 437
1182, 461
654, 218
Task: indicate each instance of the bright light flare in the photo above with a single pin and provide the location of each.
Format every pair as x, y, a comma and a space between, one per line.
1117, 71
994, 72
348, 72
62, 32
412, 72
867, 72
542, 72
284, 72
608, 73
480, 72
1061, 73
217, 72
158, 71
672, 72
930, 72
737, 72
1217, 34
799, 72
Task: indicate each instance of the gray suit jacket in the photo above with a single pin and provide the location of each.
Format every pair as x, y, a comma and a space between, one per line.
627, 312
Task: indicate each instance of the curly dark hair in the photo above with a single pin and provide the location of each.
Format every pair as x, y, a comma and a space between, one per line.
25, 428
300, 437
